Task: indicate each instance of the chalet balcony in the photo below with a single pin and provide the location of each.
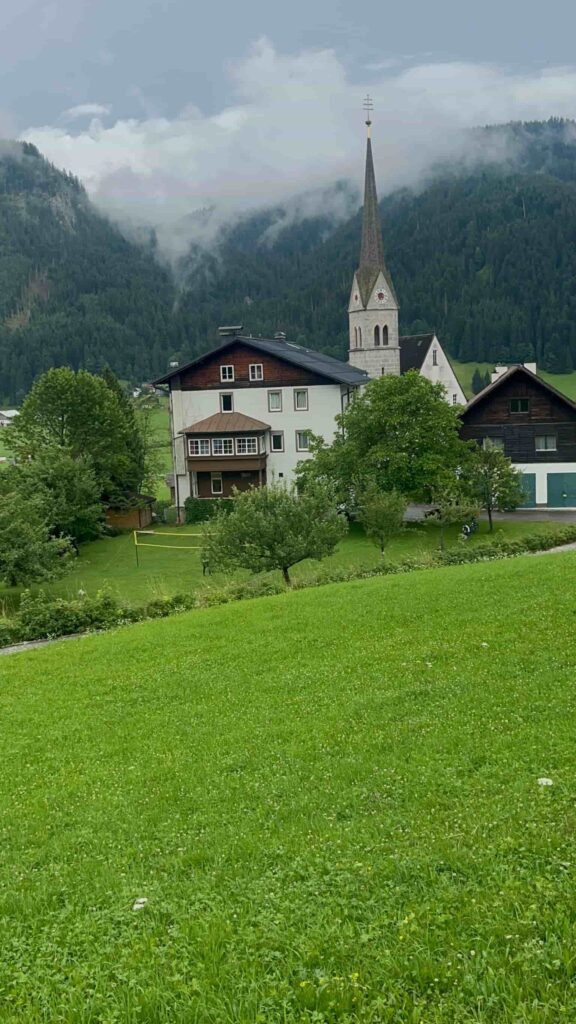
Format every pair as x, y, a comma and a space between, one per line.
229, 446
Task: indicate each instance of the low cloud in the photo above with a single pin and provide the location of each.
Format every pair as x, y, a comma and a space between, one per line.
294, 127
85, 110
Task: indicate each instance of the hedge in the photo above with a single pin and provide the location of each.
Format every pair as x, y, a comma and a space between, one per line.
199, 510
40, 618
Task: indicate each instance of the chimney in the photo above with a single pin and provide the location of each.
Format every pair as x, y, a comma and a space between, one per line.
280, 336
497, 372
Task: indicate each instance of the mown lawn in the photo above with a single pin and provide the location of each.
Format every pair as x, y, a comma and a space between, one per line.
167, 567
328, 799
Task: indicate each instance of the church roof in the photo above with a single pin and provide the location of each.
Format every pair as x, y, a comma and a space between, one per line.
226, 423
372, 247
413, 349
297, 355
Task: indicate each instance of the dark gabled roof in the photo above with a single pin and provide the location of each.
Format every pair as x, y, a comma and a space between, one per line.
226, 423
510, 372
307, 358
413, 349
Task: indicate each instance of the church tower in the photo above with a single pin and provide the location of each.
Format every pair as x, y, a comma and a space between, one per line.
373, 307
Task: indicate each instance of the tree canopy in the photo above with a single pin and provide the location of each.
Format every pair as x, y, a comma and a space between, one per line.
400, 434
84, 416
274, 528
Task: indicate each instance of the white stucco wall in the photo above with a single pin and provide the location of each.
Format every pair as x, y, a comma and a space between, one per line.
541, 470
442, 373
324, 404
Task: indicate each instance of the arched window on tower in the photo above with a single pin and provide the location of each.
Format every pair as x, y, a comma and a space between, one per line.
360, 337
385, 335
355, 337
377, 335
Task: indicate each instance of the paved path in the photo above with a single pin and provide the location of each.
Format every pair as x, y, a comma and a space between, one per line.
29, 645
556, 551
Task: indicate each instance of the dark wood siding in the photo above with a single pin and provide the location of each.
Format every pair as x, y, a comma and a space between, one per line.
276, 372
547, 414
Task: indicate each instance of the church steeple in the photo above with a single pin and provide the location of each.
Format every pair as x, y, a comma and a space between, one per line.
373, 309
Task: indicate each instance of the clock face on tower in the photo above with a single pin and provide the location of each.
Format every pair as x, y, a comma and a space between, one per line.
381, 296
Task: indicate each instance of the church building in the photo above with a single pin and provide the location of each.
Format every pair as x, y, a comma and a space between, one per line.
241, 415
375, 344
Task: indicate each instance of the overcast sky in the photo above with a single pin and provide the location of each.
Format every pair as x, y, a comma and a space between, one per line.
175, 104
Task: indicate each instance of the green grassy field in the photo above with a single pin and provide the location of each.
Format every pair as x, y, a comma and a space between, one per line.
166, 570
564, 382
328, 799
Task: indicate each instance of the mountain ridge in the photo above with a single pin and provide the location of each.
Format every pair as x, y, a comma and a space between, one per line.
483, 253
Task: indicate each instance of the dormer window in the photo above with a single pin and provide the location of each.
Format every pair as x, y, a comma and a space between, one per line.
226, 373
256, 371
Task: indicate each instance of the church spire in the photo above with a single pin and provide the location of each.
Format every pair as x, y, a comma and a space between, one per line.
372, 248
373, 306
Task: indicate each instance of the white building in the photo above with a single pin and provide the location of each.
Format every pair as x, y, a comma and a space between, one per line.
7, 416
241, 415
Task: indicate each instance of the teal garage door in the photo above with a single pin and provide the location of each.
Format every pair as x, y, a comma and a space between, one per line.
529, 488
562, 490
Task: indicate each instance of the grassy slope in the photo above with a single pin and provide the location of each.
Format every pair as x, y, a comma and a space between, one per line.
111, 563
329, 799
564, 382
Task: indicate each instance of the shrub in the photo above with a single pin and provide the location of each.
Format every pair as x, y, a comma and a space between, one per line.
199, 510
160, 507
38, 617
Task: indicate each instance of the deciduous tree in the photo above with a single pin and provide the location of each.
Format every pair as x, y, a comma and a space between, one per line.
400, 434
274, 528
494, 481
382, 514
27, 551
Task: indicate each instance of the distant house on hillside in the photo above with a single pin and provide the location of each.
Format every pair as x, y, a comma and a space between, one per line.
7, 416
535, 426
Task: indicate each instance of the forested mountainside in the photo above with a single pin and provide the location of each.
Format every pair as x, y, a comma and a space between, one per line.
484, 253
73, 290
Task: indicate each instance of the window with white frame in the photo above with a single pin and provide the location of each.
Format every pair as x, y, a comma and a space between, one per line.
301, 399
546, 442
226, 373
227, 402
302, 441
246, 446
493, 442
274, 401
216, 483
277, 441
454, 399
198, 446
222, 446
256, 371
